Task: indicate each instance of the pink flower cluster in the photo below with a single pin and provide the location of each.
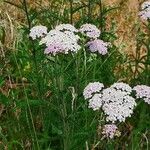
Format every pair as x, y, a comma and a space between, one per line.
98, 46
90, 30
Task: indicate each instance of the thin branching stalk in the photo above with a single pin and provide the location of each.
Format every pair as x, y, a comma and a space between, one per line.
71, 11
101, 15
27, 14
89, 10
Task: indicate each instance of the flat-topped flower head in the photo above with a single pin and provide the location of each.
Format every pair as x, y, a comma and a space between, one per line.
90, 30
117, 105
98, 46
95, 102
110, 131
60, 42
123, 87
66, 27
38, 32
145, 5
92, 88
145, 12
143, 92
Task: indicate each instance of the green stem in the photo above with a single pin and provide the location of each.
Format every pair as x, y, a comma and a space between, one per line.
101, 15
71, 11
89, 10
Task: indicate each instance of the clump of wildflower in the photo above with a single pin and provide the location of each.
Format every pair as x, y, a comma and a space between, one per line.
92, 88
38, 31
66, 27
122, 86
90, 30
95, 102
117, 105
145, 12
143, 91
110, 131
98, 46
60, 42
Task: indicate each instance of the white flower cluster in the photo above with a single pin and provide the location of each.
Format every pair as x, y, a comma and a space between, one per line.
117, 105
143, 92
90, 30
60, 42
38, 31
110, 131
92, 88
115, 101
145, 13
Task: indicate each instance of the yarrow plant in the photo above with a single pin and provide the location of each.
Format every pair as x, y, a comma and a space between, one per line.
65, 57
65, 38
145, 12
115, 101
